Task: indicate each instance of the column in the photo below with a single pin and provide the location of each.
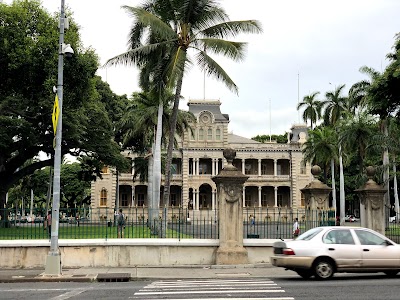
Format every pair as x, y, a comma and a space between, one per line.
217, 166
259, 196
244, 196
243, 167
197, 200
213, 167
276, 196
197, 166
213, 200
259, 167
133, 196
275, 167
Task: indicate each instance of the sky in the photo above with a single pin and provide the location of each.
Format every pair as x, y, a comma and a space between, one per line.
306, 46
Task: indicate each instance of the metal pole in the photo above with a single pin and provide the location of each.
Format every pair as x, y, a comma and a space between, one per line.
53, 262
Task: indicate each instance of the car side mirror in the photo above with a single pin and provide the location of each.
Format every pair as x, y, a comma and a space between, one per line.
388, 243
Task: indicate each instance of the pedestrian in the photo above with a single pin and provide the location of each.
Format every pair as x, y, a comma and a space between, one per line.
120, 224
252, 220
296, 228
49, 224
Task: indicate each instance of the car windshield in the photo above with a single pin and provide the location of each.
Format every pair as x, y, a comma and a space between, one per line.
309, 234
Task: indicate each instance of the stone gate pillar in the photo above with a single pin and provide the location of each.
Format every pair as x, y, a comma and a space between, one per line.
229, 192
316, 195
372, 209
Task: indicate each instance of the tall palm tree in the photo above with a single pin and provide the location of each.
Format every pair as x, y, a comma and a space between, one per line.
183, 25
312, 109
336, 107
321, 147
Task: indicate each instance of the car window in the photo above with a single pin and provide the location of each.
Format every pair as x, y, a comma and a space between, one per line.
338, 236
369, 238
309, 234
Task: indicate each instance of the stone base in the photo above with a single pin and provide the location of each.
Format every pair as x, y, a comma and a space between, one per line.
232, 256
53, 265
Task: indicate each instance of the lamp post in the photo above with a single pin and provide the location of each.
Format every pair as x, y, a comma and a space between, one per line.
53, 261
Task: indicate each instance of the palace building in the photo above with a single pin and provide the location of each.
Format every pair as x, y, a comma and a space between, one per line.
276, 171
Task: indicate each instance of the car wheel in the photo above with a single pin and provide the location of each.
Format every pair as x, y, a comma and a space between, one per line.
323, 269
304, 273
391, 273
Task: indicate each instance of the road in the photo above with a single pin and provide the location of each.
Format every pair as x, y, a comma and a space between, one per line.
287, 287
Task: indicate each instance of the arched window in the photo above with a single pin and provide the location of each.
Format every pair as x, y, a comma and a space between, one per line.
218, 134
209, 134
201, 134
103, 197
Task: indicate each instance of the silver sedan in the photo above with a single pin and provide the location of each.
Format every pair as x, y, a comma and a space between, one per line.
322, 251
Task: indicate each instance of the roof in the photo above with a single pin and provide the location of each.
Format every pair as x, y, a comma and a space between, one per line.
237, 139
213, 106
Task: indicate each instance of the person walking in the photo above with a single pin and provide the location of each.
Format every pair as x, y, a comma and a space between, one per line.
49, 224
296, 228
120, 223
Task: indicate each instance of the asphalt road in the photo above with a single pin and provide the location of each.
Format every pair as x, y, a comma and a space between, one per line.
283, 287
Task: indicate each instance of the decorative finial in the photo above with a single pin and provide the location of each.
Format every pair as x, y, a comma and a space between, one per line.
316, 171
370, 170
229, 154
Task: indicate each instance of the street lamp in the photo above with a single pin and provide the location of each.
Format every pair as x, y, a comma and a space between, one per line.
53, 260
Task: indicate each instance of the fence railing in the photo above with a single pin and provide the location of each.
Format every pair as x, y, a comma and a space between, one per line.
392, 230
182, 223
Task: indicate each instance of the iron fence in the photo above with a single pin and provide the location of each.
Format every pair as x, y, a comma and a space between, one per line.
181, 223
392, 230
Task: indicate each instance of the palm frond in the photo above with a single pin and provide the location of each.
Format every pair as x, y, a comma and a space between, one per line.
232, 29
230, 49
211, 67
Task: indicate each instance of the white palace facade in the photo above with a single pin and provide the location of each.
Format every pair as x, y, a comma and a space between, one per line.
276, 171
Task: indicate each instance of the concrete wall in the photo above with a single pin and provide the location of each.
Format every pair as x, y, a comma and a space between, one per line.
124, 252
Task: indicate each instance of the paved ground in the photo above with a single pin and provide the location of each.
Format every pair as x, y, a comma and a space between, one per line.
143, 272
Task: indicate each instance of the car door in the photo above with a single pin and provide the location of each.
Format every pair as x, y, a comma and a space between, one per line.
376, 253
340, 245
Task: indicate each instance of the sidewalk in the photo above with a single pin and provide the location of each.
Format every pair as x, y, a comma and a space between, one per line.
143, 272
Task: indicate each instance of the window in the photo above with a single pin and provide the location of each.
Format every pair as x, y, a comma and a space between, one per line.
103, 197
280, 200
263, 169
209, 134
124, 199
247, 168
140, 200
302, 167
203, 169
247, 201
369, 238
201, 134
279, 169
264, 200
104, 170
342, 236
218, 134
173, 200
302, 200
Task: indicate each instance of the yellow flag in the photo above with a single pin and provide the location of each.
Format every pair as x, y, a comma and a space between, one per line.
56, 113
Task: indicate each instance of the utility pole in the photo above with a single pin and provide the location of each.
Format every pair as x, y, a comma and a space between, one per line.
53, 260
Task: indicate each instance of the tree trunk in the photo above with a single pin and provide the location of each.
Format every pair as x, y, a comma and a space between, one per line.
333, 185
170, 150
341, 183
157, 171
150, 178
396, 194
386, 167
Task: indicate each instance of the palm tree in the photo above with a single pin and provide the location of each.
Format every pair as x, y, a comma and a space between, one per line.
142, 122
321, 147
336, 107
180, 26
312, 109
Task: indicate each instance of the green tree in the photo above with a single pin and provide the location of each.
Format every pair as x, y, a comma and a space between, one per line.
28, 64
312, 108
182, 25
